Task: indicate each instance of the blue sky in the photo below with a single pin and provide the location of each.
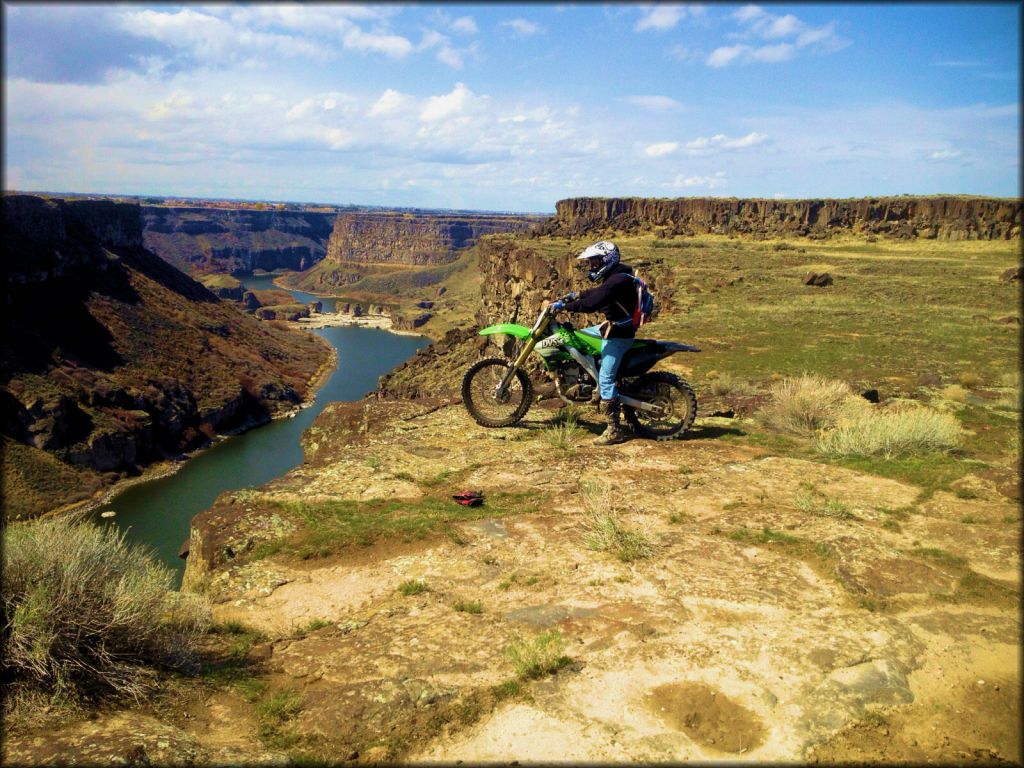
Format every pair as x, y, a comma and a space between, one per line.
511, 107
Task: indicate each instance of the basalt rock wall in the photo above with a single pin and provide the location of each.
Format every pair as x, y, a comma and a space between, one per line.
411, 239
944, 218
204, 240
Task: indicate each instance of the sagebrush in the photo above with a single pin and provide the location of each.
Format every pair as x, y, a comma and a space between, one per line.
85, 613
805, 405
891, 434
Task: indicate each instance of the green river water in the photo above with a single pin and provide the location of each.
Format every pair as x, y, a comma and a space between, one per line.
157, 513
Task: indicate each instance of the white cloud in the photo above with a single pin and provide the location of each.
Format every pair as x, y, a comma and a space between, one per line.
748, 13
661, 148
456, 57
945, 154
447, 106
464, 25
784, 26
721, 57
774, 53
786, 35
655, 103
394, 46
716, 181
705, 145
660, 17
251, 34
390, 103
522, 27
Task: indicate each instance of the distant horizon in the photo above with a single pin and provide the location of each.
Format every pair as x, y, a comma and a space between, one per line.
385, 207
506, 107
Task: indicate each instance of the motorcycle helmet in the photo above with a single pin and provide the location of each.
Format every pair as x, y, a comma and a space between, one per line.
602, 256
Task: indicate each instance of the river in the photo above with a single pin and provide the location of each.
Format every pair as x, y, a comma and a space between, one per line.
157, 513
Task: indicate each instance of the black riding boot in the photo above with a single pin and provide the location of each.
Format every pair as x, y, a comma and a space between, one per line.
613, 432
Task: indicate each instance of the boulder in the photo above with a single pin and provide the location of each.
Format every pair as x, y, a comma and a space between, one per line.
816, 279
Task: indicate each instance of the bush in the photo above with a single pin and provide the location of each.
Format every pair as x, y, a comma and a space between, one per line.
85, 613
893, 433
540, 656
808, 404
604, 531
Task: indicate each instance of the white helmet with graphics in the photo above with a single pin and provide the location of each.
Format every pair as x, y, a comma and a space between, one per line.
603, 256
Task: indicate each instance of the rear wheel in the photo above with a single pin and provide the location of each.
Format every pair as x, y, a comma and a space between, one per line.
674, 398
480, 393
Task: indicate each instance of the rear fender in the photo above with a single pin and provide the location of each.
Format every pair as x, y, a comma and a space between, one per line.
519, 331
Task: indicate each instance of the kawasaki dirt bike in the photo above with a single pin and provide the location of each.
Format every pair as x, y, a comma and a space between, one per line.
658, 404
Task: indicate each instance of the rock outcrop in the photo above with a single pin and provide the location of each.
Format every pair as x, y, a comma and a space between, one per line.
365, 244
943, 217
411, 239
202, 240
112, 359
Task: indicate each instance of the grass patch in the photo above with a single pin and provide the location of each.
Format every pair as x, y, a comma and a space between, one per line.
239, 638
328, 527
563, 436
605, 532
412, 587
970, 587
816, 503
274, 716
539, 656
507, 689
507, 582
462, 606
313, 625
930, 472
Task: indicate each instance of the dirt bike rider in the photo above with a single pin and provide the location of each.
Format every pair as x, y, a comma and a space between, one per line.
616, 298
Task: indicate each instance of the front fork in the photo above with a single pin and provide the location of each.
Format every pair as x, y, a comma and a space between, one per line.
536, 334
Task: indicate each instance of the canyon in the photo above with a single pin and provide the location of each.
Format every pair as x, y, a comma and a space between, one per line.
878, 623
113, 360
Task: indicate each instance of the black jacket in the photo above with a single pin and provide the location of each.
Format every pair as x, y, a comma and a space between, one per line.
615, 297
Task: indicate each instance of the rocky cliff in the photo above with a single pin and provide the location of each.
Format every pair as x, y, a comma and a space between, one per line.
410, 239
943, 217
203, 240
368, 244
112, 359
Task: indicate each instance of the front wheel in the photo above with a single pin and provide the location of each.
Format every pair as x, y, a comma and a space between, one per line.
677, 405
481, 398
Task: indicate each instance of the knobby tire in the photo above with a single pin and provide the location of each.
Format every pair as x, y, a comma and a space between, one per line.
478, 388
671, 391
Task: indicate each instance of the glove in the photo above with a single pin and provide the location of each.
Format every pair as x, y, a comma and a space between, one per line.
557, 305
570, 296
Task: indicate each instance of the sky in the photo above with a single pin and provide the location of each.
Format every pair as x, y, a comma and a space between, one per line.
505, 107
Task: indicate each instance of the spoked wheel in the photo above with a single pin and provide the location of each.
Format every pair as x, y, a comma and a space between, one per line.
677, 405
480, 393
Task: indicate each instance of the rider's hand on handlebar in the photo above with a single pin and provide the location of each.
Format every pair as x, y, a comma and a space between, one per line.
555, 305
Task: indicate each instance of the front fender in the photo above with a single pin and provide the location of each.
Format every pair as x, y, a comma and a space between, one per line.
519, 331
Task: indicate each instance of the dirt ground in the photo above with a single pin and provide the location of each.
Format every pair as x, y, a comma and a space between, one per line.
840, 638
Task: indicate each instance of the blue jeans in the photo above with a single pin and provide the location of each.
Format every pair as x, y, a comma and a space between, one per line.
612, 352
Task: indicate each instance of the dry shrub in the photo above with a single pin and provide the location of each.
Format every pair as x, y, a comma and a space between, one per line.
86, 613
970, 380
727, 384
955, 393
805, 405
891, 434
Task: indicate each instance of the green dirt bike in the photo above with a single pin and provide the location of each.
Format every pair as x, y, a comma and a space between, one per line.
658, 404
